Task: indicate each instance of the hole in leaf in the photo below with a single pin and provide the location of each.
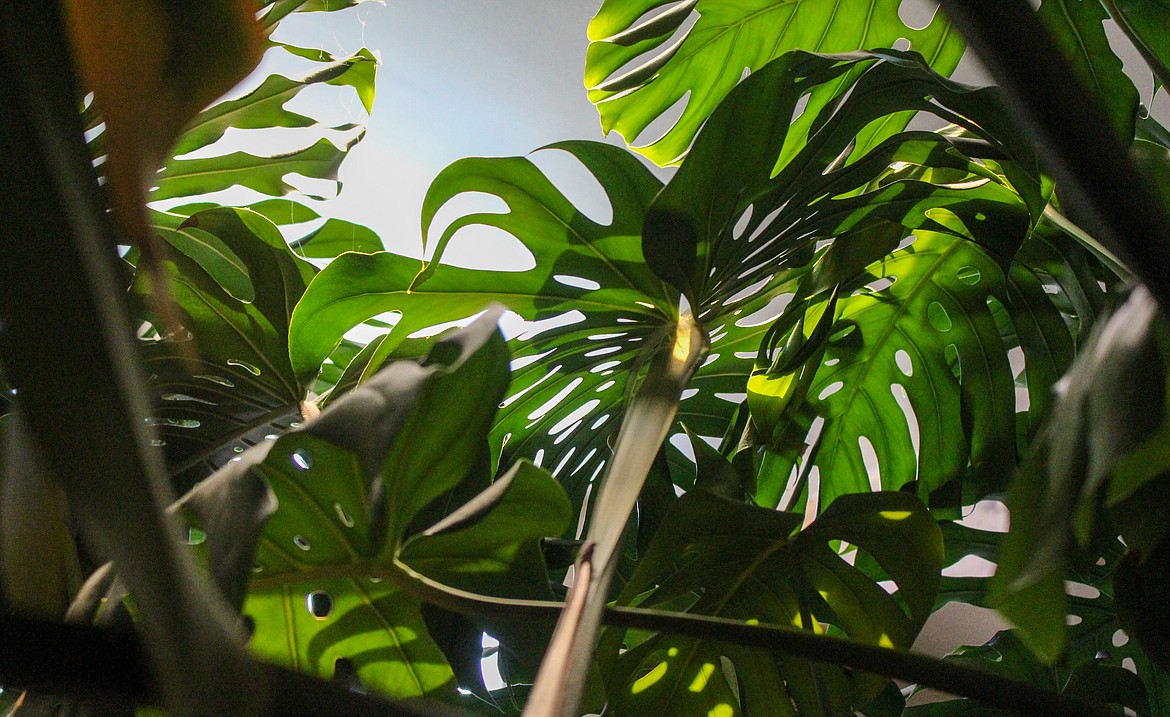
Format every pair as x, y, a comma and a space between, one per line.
1081, 590
244, 365
741, 224
916, 14
185, 397
249, 625
903, 400
767, 314
578, 414
302, 542
905, 365
843, 333
663, 123
578, 185
345, 518
604, 366
555, 400
173, 422
301, 459
577, 282
951, 354
938, 316
830, 390
870, 459
799, 108
968, 275
319, 604
748, 291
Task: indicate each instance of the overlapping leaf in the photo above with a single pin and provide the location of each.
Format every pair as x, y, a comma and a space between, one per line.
756, 238
756, 193
351, 489
718, 557
1144, 21
1078, 30
230, 376
643, 60
1100, 424
580, 265
276, 10
916, 382
1098, 653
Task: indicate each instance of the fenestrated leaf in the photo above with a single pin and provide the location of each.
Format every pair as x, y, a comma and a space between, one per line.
349, 484
717, 557
703, 62
1078, 30
231, 375
277, 10
1096, 647
916, 374
1102, 416
193, 177
265, 106
580, 265
337, 236
757, 194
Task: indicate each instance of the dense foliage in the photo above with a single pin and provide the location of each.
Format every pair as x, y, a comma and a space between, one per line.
848, 332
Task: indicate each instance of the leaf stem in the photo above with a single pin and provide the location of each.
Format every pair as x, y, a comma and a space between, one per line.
959, 680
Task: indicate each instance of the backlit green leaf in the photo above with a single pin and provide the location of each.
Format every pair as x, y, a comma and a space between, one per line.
645, 56
716, 557
1077, 28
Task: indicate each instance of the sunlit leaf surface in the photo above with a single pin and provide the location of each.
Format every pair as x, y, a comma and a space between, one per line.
648, 56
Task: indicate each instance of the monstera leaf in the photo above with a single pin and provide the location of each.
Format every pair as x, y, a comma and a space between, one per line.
1100, 444
718, 557
590, 275
1098, 651
370, 486
222, 386
1077, 27
264, 108
740, 239
273, 11
696, 64
916, 381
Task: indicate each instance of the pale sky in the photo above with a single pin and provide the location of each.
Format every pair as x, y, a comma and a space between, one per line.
458, 78
465, 78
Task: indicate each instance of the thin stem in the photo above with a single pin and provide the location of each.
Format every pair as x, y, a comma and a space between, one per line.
925, 671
